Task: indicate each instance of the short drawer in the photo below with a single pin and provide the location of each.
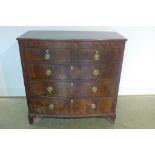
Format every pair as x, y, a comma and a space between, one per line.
72, 71
97, 88
48, 55
64, 107
104, 55
71, 88
51, 88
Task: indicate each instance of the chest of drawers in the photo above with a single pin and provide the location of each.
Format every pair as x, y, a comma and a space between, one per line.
71, 74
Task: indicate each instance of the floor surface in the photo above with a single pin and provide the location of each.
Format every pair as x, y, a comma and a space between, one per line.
133, 112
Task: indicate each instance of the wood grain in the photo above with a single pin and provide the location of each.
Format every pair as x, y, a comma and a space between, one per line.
62, 106
71, 64
80, 71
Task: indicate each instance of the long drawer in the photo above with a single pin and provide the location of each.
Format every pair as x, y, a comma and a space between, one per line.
72, 71
64, 107
71, 88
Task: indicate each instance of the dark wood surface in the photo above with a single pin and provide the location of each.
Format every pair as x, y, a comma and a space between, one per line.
64, 88
71, 64
63, 71
80, 107
57, 55
70, 55
71, 35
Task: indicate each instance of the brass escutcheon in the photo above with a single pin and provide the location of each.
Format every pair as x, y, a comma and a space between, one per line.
71, 67
71, 101
71, 84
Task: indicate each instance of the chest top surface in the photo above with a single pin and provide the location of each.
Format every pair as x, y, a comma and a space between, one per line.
72, 35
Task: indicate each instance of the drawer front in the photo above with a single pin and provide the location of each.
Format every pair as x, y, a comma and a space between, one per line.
72, 71
71, 88
98, 88
51, 88
63, 107
105, 55
48, 55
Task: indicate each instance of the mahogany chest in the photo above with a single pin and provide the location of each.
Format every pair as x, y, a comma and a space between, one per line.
71, 73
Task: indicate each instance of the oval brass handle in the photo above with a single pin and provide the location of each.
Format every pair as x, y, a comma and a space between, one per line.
97, 56
50, 89
93, 106
96, 72
51, 106
48, 72
94, 89
47, 55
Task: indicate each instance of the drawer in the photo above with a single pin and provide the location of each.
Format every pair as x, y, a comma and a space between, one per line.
51, 88
104, 55
79, 106
72, 71
48, 55
71, 88
100, 88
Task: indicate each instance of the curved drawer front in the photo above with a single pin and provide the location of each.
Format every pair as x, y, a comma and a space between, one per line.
48, 55
71, 88
72, 71
63, 107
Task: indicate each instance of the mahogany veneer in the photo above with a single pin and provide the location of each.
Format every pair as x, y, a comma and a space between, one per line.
71, 74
